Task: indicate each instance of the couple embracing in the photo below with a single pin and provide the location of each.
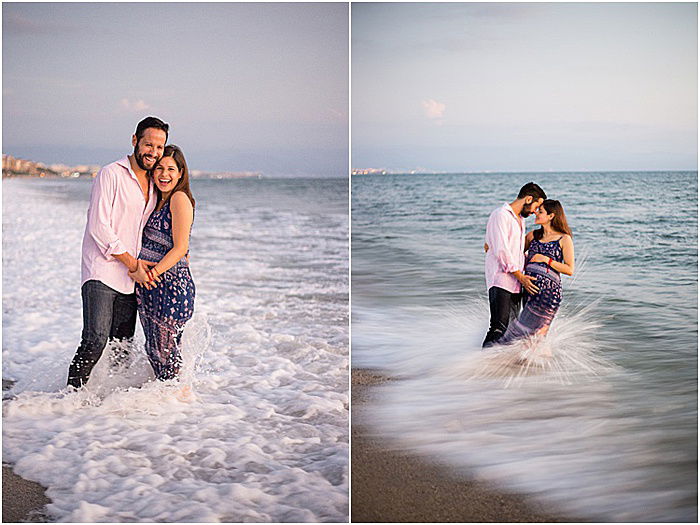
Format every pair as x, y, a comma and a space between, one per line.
135, 255
524, 267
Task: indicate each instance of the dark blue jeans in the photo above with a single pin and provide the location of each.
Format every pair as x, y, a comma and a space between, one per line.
504, 307
107, 315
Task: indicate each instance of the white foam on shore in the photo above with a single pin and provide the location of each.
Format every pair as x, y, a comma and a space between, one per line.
265, 437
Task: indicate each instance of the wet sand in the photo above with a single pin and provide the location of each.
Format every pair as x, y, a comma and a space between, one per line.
391, 486
22, 500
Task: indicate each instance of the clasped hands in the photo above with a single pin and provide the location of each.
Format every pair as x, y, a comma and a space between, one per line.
144, 275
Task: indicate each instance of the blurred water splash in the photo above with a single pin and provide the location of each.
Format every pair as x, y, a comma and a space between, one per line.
546, 416
568, 353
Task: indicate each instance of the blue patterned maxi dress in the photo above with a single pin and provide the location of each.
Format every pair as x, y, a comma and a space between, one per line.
165, 309
538, 310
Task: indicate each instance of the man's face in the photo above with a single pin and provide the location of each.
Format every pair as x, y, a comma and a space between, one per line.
149, 149
531, 207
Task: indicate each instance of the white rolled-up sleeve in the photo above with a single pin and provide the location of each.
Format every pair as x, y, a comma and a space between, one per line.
99, 224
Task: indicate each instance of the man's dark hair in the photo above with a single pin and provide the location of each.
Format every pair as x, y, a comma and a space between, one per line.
532, 190
151, 122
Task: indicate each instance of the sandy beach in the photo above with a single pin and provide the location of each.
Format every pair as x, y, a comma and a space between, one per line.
390, 486
22, 500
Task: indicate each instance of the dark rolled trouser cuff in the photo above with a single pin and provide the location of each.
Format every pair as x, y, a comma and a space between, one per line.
84, 361
504, 307
107, 315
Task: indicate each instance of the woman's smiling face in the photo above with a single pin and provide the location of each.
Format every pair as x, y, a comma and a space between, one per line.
166, 174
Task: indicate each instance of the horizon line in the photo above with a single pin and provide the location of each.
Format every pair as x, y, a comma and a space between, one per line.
486, 172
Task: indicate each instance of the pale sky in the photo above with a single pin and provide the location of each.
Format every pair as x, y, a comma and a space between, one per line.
259, 87
524, 86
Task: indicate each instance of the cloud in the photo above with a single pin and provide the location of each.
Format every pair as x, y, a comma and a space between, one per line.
433, 109
336, 114
15, 23
134, 105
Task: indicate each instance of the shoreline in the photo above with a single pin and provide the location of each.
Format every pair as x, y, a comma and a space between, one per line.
22, 500
393, 486
386, 485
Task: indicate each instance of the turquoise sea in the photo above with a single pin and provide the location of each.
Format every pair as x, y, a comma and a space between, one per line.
607, 428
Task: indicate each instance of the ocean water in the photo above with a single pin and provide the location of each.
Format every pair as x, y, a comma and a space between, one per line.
265, 438
600, 418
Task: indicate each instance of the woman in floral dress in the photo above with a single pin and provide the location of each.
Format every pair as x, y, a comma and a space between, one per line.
166, 303
550, 252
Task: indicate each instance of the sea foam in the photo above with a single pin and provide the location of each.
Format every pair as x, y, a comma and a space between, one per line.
264, 435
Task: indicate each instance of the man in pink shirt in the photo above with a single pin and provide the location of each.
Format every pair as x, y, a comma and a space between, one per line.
505, 259
121, 201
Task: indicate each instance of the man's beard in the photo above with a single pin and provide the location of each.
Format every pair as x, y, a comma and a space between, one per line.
139, 160
525, 213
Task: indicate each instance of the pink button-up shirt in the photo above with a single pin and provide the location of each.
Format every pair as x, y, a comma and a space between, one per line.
115, 220
505, 235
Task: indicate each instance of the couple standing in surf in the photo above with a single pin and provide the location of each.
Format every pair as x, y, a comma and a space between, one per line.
135, 255
524, 267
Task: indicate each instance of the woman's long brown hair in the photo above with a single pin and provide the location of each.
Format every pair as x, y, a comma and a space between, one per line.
183, 184
559, 223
